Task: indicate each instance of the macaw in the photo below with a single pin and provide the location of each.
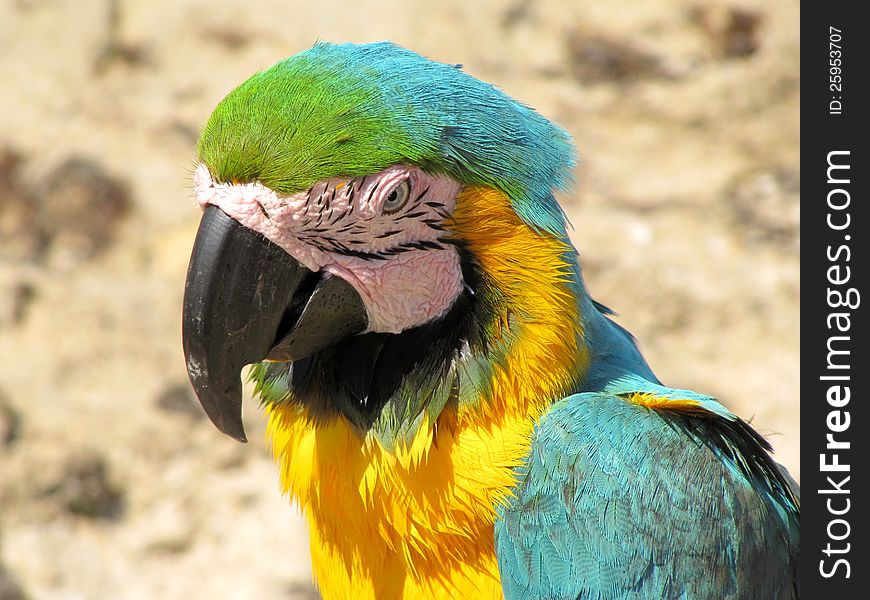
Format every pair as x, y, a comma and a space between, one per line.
453, 413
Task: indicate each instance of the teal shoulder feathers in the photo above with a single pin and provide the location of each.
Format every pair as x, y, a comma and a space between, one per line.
676, 498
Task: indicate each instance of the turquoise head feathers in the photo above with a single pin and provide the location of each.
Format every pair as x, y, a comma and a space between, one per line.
347, 110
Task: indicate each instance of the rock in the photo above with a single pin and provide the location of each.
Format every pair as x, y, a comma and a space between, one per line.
228, 35
16, 295
21, 239
10, 421
517, 12
81, 207
75, 211
10, 589
116, 50
86, 490
765, 206
731, 31
601, 57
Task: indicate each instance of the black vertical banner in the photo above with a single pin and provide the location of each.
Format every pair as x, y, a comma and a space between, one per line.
835, 420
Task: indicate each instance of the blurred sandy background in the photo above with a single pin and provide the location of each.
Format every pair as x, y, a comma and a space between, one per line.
112, 482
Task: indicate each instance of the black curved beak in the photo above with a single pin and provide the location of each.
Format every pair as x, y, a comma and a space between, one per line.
246, 300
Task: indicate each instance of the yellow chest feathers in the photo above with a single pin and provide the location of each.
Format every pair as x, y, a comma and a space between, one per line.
412, 523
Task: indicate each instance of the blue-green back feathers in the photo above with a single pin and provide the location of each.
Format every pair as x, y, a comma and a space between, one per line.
621, 501
350, 110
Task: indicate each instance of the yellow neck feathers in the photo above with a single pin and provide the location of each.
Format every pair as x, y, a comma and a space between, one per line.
529, 271
417, 521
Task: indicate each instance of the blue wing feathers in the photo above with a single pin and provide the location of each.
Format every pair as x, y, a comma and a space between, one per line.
620, 501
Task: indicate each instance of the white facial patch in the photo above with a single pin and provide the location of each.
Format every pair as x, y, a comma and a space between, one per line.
392, 252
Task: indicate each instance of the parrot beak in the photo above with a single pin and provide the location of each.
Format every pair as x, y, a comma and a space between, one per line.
246, 300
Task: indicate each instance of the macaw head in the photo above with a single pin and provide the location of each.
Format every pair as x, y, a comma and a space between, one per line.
371, 219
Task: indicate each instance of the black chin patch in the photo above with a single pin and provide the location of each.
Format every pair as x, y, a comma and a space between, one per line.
349, 367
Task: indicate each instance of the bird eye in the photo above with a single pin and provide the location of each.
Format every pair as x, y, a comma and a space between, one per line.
398, 198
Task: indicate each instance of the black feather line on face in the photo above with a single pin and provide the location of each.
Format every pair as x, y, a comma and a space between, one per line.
263, 212
349, 192
360, 254
338, 218
338, 246
374, 188
388, 234
436, 225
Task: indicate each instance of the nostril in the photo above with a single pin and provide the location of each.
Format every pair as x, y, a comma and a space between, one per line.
263, 210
